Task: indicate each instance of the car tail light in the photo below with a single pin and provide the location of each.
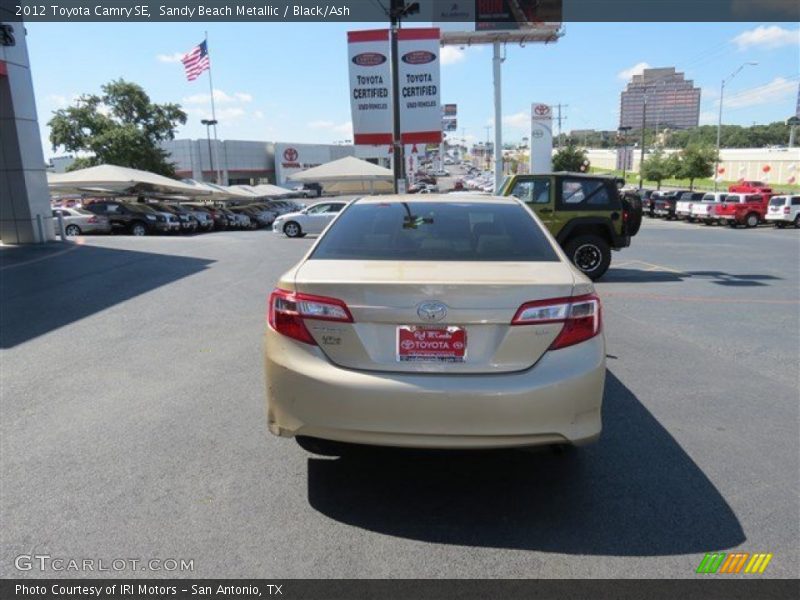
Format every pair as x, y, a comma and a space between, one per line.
579, 314
287, 311
690, 205
786, 210
93, 219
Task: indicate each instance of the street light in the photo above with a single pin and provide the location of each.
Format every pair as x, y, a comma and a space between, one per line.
719, 121
208, 123
623, 132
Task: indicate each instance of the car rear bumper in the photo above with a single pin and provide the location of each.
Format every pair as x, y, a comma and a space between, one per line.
556, 401
778, 217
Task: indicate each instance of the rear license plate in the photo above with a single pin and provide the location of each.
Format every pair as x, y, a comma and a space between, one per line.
417, 343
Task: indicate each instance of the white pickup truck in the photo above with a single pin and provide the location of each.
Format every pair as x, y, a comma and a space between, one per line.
683, 207
704, 210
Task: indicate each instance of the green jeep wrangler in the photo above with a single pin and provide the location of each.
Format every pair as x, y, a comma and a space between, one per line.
587, 214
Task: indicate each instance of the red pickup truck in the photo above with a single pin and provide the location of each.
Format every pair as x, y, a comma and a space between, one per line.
746, 204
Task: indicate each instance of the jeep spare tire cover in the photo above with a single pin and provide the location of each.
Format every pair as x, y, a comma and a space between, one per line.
632, 204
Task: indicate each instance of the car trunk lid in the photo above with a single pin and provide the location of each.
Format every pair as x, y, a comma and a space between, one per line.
479, 302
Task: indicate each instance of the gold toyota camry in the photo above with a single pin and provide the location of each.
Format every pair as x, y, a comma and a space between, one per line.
437, 321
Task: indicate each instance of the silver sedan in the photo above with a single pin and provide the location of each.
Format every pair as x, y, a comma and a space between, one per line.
78, 221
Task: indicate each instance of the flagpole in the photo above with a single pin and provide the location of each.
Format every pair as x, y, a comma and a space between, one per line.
213, 114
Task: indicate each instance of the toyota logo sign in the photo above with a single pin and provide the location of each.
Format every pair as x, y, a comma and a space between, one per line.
541, 110
432, 311
290, 155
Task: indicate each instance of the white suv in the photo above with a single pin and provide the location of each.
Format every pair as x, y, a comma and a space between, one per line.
784, 210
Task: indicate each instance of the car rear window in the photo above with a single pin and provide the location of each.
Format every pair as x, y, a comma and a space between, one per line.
436, 231
777, 201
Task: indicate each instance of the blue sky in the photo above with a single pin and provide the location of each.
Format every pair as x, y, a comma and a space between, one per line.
288, 82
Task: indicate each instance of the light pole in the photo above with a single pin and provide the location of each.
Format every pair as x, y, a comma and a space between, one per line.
641, 153
719, 120
623, 133
208, 123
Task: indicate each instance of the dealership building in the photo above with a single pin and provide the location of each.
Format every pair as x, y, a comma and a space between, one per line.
234, 162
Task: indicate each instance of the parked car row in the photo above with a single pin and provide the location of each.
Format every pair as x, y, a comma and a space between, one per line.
158, 217
749, 204
482, 181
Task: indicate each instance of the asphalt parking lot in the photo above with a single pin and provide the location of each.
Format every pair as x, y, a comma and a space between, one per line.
132, 424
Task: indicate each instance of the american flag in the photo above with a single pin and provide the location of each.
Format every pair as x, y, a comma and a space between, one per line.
196, 61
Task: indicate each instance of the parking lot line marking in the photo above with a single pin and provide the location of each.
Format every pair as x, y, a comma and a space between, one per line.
696, 298
653, 266
35, 260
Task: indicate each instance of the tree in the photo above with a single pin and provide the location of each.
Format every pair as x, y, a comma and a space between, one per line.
120, 127
658, 167
570, 158
696, 162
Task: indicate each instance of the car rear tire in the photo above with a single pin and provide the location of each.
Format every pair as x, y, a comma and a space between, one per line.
708, 222
590, 253
72, 230
751, 220
138, 229
733, 224
797, 222
292, 230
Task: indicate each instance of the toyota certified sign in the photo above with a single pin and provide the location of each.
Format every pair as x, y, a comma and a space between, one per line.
369, 59
371, 86
420, 57
290, 155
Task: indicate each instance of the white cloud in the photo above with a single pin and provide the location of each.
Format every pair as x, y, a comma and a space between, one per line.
320, 124
776, 90
636, 69
345, 128
220, 97
520, 120
451, 55
58, 101
229, 113
170, 58
258, 114
767, 37
708, 118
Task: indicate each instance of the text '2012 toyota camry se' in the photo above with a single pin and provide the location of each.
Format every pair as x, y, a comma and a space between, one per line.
449, 321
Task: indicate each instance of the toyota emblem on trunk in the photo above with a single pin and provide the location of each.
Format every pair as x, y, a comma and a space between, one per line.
432, 311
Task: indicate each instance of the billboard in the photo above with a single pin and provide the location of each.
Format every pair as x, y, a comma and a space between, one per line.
370, 86
541, 138
485, 21
450, 124
450, 110
420, 108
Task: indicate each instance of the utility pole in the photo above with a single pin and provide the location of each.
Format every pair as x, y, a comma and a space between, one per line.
641, 156
719, 120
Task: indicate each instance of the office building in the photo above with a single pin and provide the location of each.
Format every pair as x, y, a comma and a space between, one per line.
672, 101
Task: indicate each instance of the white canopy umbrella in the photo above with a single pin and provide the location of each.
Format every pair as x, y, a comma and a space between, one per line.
118, 180
348, 168
267, 190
